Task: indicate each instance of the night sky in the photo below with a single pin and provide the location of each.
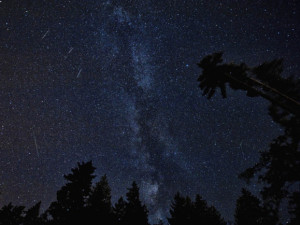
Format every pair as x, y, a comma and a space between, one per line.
115, 82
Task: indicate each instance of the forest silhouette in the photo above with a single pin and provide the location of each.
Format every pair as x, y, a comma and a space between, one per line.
83, 201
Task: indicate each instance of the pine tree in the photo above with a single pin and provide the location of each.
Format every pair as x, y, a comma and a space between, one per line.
11, 215
99, 203
203, 214
70, 206
136, 213
248, 210
178, 211
214, 217
200, 210
17, 215
32, 216
119, 211
185, 212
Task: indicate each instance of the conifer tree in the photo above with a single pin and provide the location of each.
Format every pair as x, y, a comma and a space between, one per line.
203, 214
70, 206
177, 210
119, 211
136, 213
185, 212
11, 215
32, 215
181, 210
248, 210
99, 203
214, 217
200, 209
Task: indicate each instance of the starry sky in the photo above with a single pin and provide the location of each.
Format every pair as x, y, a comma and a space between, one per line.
115, 82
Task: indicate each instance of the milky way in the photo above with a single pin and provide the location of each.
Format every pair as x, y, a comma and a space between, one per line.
115, 82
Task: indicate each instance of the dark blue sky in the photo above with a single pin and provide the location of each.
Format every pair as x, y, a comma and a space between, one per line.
116, 82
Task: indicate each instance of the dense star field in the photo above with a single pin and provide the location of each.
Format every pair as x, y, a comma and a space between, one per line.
115, 82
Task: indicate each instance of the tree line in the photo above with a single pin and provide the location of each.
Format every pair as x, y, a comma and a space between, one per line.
81, 201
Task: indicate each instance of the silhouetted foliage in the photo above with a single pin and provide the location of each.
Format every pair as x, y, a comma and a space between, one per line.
81, 202
17, 215
119, 211
32, 215
185, 212
136, 213
181, 210
200, 209
248, 210
70, 206
264, 80
206, 215
99, 203
279, 166
11, 215
295, 208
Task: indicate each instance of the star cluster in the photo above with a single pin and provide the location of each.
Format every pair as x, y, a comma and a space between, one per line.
115, 82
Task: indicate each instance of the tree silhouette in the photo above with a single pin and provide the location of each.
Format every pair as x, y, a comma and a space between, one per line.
99, 203
181, 210
200, 209
119, 211
214, 217
136, 213
278, 167
17, 215
185, 212
70, 206
264, 80
32, 215
203, 214
248, 210
11, 215
295, 208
